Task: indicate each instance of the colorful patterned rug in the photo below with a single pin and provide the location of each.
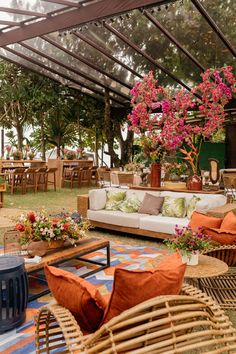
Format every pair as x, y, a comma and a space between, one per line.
21, 340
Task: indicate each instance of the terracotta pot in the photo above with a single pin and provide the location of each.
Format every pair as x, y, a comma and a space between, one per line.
194, 183
155, 178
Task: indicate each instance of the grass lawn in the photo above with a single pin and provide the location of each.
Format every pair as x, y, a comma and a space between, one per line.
51, 201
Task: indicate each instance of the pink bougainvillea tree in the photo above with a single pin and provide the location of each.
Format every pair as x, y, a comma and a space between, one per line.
169, 128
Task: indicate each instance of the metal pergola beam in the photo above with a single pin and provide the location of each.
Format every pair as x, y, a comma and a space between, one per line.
75, 71
85, 61
106, 53
91, 12
145, 55
172, 38
214, 26
66, 77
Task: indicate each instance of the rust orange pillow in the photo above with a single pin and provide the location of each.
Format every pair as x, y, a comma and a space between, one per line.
224, 237
229, 221
78, 295
202, 220
132, 287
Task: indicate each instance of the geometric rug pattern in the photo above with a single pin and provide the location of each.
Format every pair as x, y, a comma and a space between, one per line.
21, 340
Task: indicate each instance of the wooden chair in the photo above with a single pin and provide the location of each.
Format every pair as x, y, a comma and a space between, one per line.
104, 178
51, 173
71, 175
30, 179
223, 287
187, 323
125, 179
41, 178
85, 176
15, 179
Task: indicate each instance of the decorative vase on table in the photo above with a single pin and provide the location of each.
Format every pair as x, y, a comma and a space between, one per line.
191, 258
194, 183
155, 178
40, 248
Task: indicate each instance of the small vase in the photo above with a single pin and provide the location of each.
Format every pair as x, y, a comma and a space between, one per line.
194, 183
190, 258
155, 178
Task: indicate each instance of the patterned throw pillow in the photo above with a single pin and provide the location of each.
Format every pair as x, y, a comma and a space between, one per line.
175, 207
130, 205
192, 205
114, 199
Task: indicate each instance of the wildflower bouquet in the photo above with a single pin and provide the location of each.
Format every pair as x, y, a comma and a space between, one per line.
188, 241
36, 226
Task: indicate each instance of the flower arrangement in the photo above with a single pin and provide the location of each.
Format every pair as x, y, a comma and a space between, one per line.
70, 154
170, 127
188, 241
17, 154
36, 226
175, 168
8, 150
152, 148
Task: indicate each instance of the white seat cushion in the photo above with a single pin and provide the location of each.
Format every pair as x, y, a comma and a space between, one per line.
159, 223
115, 217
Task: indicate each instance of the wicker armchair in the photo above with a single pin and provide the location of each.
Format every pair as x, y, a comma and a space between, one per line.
188, 323
223, 287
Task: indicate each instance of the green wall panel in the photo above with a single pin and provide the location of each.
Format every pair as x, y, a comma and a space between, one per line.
211, 150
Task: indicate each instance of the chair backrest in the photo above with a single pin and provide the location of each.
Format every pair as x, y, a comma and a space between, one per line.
214, 170
125, 179
104, 176
19, 170
51, 169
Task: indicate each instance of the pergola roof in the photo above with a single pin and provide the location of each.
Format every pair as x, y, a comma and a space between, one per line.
92, 45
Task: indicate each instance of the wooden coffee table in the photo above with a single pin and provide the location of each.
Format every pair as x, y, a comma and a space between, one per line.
206, 268
84, 247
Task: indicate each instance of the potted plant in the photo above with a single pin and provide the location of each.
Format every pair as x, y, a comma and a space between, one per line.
8, 150
17, 154
189, 243
70, 155
175, 170
31, 155
50, 232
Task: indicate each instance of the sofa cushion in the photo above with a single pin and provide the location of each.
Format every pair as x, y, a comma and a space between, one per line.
130, 205
114, 199
224, 237
202, 220
163, 224
115, 217
173, 206
229, 221
207, 203
151, 204
140, 193
78, 295
191, 206
132, 287
97, 199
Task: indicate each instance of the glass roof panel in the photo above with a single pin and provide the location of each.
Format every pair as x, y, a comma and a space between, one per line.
143, 33
187, 25
32, 5
224, 14
75, 65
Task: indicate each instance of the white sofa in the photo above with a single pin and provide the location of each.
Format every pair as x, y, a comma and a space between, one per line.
144, 224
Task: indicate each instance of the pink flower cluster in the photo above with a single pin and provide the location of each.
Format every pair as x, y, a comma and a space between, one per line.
169, 127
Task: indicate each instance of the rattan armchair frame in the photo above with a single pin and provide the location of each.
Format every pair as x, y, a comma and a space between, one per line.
223, 287
187, 323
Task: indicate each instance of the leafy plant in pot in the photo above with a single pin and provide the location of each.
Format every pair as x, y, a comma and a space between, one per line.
189, 243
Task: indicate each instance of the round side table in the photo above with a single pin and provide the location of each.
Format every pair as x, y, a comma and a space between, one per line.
206, 268
13, 292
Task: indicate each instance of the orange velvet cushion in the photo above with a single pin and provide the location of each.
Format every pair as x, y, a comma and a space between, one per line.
132, 287
229, 221
202, 220
78, 295
224, 237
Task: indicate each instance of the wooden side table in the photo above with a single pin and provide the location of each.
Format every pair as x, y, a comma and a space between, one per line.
221, 211
207, 267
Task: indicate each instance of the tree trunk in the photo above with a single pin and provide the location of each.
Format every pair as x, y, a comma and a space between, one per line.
109, 131
43, 141
20, 135
96, 146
